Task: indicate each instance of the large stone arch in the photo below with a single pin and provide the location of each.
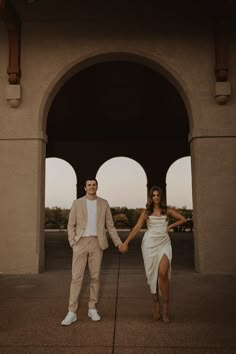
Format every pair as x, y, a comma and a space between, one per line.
158, 64
161, 65
145, 59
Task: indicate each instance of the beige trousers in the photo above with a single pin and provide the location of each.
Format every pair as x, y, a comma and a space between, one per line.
87, 249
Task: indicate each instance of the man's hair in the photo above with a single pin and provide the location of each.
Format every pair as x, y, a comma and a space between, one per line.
90, 179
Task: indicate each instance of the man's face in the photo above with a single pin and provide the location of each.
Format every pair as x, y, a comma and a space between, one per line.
91, 187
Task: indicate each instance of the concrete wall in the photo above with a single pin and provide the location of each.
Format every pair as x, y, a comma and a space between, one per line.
51, 52
214, 181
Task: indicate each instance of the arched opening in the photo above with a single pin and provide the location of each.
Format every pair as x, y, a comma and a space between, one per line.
118, 100
60, 191
179, 184
122, 181
157, 65
179, 196
118, 107
60, 183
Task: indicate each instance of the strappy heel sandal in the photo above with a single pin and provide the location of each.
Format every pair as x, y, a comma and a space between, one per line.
165, 316
156, 311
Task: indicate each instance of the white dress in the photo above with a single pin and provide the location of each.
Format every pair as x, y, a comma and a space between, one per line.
156, 242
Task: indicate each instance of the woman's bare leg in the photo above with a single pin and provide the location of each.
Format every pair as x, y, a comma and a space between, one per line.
164, 286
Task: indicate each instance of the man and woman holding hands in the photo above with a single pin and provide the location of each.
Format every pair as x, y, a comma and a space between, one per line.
89, 218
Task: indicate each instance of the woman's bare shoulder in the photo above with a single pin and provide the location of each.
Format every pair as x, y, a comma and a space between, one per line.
143, 213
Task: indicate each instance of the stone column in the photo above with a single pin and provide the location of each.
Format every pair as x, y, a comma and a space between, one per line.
214, 195
160, 182
22, 204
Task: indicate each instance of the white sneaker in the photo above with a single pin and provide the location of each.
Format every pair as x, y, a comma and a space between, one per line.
93, 314
69, 319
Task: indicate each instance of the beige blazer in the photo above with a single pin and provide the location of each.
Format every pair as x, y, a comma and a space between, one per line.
78, 220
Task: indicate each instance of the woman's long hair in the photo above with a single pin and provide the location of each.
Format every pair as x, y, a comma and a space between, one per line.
150, 205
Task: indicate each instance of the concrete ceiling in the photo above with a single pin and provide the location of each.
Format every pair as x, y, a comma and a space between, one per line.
44, 10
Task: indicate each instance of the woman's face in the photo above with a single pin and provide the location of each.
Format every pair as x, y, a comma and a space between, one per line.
156, 197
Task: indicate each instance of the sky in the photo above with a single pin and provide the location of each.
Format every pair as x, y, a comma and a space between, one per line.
122, 181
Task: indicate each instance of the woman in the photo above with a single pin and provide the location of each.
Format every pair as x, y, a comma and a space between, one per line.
156, 247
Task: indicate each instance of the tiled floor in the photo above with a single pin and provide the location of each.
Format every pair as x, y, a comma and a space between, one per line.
203, 312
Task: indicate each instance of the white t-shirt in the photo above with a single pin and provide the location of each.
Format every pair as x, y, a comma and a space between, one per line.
91, 228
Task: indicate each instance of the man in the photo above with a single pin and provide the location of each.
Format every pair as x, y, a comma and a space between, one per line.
87, 236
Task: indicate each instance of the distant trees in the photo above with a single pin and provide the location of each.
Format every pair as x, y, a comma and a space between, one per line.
124, 217
57, 218
188, 214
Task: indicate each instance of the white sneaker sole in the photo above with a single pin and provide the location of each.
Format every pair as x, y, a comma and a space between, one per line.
94, 319
68, 324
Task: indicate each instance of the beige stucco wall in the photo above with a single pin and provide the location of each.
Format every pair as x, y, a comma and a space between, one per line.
52, 52
214, 181
22, 195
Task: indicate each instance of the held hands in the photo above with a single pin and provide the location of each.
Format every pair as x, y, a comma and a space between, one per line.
123, 247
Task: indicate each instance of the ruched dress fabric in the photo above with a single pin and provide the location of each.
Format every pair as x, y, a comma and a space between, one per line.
156, 243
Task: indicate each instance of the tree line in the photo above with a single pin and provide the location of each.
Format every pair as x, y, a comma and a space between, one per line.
57, 218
